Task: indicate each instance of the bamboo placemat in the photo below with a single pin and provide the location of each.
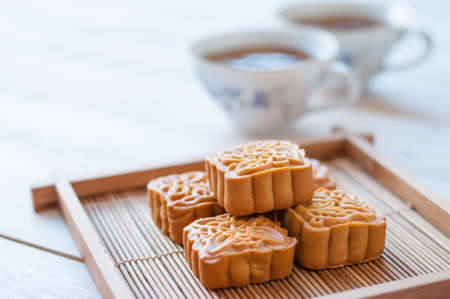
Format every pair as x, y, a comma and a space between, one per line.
154, 266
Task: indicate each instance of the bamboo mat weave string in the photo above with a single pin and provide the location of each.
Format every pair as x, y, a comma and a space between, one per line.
148, 258
408, 207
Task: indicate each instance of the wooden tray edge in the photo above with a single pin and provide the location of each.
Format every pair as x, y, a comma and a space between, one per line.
434, 285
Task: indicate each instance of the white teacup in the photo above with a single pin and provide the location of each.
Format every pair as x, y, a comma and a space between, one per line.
365, 49
268, 101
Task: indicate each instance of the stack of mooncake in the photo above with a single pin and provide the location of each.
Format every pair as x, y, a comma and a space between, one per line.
217, 216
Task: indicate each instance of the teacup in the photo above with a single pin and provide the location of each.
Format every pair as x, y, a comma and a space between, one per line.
268, 101
365, 48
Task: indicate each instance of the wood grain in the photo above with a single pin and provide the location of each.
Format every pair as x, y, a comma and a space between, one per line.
98, 261
32, 273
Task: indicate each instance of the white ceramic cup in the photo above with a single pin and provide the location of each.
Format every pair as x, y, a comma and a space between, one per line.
365, 49
268, 101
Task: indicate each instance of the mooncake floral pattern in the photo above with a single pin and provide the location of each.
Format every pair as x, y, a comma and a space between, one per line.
331, 207
177, 200
185, 189
225, 233
260, 176
334, 230
231, 251
258, 156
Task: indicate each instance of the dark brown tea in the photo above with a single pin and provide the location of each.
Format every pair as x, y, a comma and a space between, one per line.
345, 23
261, 58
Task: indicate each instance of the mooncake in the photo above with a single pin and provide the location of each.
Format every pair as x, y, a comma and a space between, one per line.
334, 230
261, 176
322, 176
177, 200
231, 251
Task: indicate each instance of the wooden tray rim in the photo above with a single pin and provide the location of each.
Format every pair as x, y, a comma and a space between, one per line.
112, 285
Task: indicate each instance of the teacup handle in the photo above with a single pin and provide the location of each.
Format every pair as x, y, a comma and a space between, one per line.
352, 88
428, 43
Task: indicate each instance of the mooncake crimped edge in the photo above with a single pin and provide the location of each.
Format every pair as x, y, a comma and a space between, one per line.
218, 273
161, 214
313, 249
272, 189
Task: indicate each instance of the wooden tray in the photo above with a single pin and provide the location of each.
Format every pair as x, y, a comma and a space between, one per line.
127, 256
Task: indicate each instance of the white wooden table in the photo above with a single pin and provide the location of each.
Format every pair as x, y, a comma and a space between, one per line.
100, 86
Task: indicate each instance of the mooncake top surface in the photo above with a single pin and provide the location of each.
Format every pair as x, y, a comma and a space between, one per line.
225, 234
258, 156
332, 207
186, 189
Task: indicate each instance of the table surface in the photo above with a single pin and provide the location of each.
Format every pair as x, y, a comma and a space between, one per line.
100, 86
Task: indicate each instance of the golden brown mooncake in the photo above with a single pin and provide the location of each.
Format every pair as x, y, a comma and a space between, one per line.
261, 176
321, 175
177, 200
230, 251
334, 230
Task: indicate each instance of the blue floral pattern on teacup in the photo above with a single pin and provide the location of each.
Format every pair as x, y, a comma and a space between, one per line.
234, 97
276, 100
260, 99
223, 93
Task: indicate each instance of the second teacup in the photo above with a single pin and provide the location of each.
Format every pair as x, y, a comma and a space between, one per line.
366, 32
265, 80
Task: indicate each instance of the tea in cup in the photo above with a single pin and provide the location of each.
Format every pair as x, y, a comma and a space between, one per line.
265, 80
